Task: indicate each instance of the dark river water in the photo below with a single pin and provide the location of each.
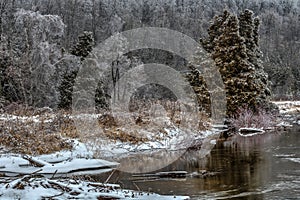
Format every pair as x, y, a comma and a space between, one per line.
265, 166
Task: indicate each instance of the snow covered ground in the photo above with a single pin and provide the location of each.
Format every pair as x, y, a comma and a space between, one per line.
288, 107
171, 139
30, 188
41, 176
44, 176
290, 110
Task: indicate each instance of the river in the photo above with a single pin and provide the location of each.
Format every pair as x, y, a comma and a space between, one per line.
264, 166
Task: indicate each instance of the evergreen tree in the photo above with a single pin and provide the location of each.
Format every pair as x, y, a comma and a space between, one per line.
84, 46
214, 31
66, 89
8, 88
196, 80
249, 27
82, 49
230, 55
233, 44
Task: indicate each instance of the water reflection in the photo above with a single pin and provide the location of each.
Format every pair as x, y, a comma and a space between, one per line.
148, 162
261, 167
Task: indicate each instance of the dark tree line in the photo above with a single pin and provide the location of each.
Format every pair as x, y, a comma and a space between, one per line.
37, 38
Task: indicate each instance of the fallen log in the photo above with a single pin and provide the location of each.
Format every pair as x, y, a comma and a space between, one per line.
167, 174
35, 162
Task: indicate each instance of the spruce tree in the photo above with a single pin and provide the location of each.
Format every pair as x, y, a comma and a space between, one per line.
233, 44
249, 27
195, 77
84, 46
214, 31
82, 49
196, 80
230, 55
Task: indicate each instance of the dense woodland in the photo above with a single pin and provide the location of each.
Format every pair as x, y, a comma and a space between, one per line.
43, 42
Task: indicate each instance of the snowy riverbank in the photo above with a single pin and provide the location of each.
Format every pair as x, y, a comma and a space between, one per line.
288, 107
52, 171
54, 175
51, 174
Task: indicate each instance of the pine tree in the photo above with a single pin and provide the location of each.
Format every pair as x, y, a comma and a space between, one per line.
66, 89
195, 77
9, 90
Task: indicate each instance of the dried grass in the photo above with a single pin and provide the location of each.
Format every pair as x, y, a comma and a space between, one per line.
32, 138
143, 123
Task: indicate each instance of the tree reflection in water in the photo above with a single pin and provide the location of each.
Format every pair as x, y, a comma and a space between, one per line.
240, 167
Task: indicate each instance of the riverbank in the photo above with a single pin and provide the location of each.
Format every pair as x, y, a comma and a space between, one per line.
41, 148
43, 153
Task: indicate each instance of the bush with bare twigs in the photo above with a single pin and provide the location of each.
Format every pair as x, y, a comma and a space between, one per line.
247, 118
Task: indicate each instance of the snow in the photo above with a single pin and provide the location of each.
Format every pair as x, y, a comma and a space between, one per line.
296, 160
41, 188
50, 186
12, 165
279, 103
248, 132
45, 118
173, 139
62, 163
284, 124
286, 107
251, 130
79, 151
285, 155
219, 126
213, 142
80, 161
34, 118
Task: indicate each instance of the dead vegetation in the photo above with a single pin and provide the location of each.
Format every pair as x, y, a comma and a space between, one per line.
42, 131
30, 137
247, 118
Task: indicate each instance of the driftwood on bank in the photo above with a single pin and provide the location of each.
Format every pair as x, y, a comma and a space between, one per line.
27, 165
167, 174
34, 161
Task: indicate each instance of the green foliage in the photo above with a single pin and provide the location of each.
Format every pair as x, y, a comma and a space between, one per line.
82, 49
66, 90
196, 80
84, 46
9, 90
101, 97
233, 44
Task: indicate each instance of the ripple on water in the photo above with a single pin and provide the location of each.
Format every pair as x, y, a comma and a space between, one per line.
296, 160
284, 155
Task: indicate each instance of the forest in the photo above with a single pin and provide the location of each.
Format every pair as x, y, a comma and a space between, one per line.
38, 39
149, 99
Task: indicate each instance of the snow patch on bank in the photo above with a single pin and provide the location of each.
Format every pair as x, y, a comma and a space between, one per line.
172, 139
286, 107
72, 189
79, 151
296, 160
